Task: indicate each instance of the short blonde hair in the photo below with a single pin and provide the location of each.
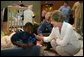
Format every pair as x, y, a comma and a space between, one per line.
57, 16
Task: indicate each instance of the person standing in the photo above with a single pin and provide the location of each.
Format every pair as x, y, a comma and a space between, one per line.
66, 11
28, 15
77, 15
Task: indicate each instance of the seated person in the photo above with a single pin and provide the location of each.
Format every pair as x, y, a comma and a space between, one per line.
25, 36
25, 43
45, 25
63, 38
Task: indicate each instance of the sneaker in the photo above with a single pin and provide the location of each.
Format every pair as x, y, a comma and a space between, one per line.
47, 48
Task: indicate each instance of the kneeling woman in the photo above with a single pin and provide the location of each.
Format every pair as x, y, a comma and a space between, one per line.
62, 38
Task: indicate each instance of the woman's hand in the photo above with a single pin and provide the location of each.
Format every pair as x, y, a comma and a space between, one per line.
39, 37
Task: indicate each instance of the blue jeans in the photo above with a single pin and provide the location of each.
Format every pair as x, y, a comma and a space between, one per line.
17, 51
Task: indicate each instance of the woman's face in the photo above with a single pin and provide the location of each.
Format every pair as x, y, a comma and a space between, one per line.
53, 22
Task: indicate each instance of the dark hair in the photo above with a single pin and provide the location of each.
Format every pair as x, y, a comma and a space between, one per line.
58, 16
28, 24
66, 2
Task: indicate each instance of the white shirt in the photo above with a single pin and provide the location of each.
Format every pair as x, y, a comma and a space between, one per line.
28, 14
67, 36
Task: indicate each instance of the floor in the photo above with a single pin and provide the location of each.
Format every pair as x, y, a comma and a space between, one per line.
50, 53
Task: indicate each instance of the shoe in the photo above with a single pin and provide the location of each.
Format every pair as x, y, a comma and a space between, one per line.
47, 49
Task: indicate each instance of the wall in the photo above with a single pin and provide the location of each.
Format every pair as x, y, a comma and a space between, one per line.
36, 7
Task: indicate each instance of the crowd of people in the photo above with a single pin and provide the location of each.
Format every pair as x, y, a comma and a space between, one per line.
64, 34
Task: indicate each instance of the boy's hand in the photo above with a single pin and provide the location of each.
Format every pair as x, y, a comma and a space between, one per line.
27, 45
30, 44
24, 46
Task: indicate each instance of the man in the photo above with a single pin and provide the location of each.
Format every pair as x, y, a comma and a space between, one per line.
28, 15
25, 43
66, 11
45, 25
63, 38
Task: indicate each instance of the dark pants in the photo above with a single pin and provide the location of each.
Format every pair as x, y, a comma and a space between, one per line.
31, 51
49, 45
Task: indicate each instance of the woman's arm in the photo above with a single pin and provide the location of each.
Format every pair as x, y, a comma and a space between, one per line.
50, 37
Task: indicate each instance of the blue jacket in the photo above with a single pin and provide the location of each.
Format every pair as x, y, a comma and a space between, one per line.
44, 25
24, 37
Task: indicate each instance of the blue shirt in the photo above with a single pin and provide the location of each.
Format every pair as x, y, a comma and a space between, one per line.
66, 11
44, 25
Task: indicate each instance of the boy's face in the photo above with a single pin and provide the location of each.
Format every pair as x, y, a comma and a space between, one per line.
29, 29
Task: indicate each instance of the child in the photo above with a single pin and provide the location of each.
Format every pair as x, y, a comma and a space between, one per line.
25, 43
24, 38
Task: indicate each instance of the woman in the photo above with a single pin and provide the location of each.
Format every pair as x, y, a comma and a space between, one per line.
63, 38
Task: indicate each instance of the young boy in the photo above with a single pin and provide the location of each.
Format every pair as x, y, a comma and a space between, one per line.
25, 43
24, 38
